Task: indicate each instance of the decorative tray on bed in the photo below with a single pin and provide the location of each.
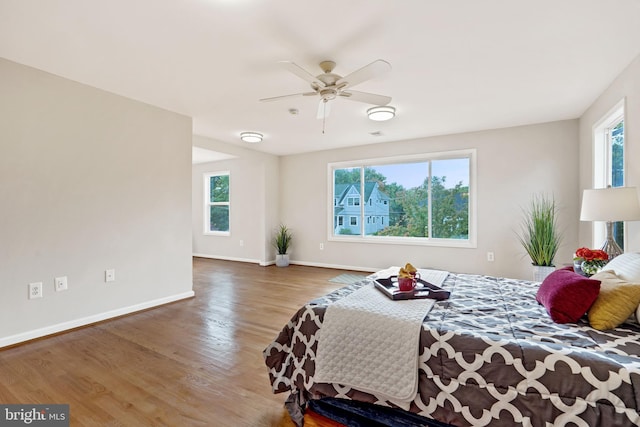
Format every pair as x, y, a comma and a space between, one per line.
423, 289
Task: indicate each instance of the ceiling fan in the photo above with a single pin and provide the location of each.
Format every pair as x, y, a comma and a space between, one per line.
330, 86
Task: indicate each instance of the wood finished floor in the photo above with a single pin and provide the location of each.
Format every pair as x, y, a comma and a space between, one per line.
196, 362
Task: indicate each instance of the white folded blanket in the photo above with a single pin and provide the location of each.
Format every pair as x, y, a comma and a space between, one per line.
370, 342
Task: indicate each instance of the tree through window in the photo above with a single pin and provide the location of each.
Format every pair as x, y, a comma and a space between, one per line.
217, 204
424, 198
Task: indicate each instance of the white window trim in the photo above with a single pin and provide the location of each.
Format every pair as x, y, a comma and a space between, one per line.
206, 203
471, 242
601, 170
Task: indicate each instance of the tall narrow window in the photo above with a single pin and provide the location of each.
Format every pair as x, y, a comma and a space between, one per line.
216, 203
608, 167
413, 199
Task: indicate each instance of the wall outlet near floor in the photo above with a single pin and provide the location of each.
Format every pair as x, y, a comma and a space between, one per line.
35, 290
241, 242
490, 257
322, 246
110, 275
60, 283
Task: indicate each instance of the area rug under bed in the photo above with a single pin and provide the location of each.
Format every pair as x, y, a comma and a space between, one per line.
348, 278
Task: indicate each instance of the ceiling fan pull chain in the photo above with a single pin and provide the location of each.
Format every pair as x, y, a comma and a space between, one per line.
324, 114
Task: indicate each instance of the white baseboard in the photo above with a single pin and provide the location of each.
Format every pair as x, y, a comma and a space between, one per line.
336, 266
229, 258
291, 261
65, 326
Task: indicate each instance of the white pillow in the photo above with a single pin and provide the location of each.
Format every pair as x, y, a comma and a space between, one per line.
626, 267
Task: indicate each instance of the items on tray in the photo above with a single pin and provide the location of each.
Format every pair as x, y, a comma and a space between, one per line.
407, 277
408, 285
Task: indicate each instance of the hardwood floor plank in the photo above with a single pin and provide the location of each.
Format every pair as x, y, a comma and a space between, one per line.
196, 362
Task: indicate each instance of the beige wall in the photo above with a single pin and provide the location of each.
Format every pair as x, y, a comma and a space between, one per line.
254, 206
88, 181
513, 164
625, 87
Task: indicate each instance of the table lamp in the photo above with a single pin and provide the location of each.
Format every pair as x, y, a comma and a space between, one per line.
610, 205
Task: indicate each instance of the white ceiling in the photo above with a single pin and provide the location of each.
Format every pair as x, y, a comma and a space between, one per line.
458, 65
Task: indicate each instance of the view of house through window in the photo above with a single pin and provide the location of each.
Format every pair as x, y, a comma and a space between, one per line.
415, 198
216, 193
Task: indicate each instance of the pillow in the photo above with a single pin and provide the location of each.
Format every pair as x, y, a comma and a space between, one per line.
567, 295
625, 266
618, 299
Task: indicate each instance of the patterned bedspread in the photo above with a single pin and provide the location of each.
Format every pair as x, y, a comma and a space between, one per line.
489, 356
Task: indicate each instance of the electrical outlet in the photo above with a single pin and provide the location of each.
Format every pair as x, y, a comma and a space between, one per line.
35, 290
60, 283
110, 275
322, 246
241, 242
490, 257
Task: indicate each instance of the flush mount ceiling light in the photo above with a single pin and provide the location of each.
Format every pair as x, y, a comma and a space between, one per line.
381, 113
251, 137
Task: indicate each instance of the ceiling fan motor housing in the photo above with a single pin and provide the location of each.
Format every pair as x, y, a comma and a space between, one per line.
328, 94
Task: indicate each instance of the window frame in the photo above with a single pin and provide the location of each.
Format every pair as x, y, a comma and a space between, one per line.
208, 203
602, 162
471, 242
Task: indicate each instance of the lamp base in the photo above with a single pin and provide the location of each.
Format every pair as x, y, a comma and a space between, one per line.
610, 246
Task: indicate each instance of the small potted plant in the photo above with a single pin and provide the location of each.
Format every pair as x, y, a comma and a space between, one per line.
539, 235
282, 242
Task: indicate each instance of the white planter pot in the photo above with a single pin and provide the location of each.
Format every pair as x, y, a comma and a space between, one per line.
282, 260
540, 272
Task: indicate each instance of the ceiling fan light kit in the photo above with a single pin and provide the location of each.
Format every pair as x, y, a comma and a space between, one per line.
329, 86
381, 113
251, 137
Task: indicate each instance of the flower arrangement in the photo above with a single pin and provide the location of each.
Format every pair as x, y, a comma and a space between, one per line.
589, 261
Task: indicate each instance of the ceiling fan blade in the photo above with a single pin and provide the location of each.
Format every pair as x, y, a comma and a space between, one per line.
324, 108
302, 73
368, 98
375, 69
294, 95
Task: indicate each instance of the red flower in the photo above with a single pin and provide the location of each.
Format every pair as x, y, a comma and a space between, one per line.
601, 255
587, 254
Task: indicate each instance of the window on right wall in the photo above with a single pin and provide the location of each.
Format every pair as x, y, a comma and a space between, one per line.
608, 164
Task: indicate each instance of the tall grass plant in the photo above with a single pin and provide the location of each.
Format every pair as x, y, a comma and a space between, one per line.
539, 233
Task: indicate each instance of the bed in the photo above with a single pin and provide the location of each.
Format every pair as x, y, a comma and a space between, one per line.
490, 355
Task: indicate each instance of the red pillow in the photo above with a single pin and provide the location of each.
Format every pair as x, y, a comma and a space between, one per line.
567, 295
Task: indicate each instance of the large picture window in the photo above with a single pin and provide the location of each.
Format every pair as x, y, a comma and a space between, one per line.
423, 199
216, 203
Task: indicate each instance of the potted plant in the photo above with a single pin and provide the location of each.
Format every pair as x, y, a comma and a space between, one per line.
539, 235
282, 241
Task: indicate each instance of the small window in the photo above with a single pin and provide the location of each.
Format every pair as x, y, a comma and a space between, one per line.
609, 165
353, 220
216, 203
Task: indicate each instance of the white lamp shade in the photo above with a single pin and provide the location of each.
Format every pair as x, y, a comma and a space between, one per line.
610, 204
